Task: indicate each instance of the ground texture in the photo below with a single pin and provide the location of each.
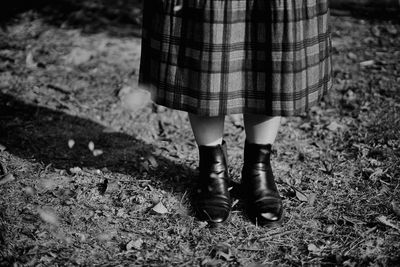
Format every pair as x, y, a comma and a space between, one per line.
93, 174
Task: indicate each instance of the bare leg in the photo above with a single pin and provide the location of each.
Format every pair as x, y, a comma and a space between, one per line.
261, 129
208, 131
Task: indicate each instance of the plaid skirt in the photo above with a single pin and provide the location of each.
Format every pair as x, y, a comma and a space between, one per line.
219, 57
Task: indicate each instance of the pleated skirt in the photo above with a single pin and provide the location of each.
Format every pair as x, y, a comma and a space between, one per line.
219, 57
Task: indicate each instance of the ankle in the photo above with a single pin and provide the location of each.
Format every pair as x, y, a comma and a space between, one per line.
257, 153
212, 143
210, 156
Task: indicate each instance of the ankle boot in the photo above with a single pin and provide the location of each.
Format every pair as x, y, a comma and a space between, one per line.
212, 198
263, 202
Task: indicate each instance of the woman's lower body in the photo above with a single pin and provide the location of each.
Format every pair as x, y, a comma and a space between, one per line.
261, 58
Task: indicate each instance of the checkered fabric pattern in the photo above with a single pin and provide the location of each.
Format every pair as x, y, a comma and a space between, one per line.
218, 57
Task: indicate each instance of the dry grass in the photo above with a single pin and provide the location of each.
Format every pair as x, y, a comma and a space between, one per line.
337, 166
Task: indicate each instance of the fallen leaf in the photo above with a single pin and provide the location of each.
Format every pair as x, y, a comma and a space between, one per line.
349, 263
376, 31
305, 126
385, 189
396, 208
367, 63
160, 208
48, 216
107, 236
78, 56
300, 196
134, 244
236, 120
211, 262
222, 251
152, 161
334, 126
97, 152
384, 220
29, 191
352, 56
7, 178
75, 170
110, 130
377, 174
155, 199
113, 187
284, 121
71, 143
311, 199
125, 91
82, 237
350, 96
133, 99
202, 224
102, 187
2, 148
30, 62
48, 184
329, 229
91, 146
145, 165
313, 248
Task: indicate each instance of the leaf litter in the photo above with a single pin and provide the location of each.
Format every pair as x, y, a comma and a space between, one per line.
336, 166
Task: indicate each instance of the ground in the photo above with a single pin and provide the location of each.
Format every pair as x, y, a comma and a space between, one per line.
94, 174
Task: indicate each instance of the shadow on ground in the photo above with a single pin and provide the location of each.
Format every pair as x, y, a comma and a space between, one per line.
117, 18
41, 135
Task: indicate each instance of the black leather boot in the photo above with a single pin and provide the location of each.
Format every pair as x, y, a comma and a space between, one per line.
212, 199
263, 202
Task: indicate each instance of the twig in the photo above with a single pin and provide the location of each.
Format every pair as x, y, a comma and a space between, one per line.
180, 202
355, 244
59, 89
251, 249
63, 104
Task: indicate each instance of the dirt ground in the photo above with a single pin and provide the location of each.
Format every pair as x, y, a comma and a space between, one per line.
92, 173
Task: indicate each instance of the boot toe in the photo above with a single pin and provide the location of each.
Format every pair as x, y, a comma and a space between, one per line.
215, 214
269, 216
